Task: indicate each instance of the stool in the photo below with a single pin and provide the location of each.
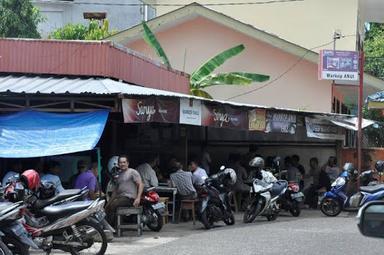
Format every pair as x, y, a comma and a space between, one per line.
165, 200
188, 204
233, 202
126, 211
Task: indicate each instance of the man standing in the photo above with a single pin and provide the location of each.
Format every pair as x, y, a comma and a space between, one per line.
198, 174
128, 190
52, 175
147, 173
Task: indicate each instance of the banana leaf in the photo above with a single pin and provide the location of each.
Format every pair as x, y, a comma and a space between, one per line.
151, 40
253, 76
224, 79
213, 63
200, 93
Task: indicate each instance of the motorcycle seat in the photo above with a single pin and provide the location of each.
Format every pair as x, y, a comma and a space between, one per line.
372, 189
41, 203
58, 211
278, 187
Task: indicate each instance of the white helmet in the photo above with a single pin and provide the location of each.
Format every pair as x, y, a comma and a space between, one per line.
113, 161
232, 174
257, 162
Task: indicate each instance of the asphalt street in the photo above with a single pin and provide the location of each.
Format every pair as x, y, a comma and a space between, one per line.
311, 233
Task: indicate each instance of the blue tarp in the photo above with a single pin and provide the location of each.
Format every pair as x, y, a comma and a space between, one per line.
30, 134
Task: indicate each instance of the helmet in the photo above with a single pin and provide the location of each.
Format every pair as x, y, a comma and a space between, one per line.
232, 176
112, 163
31, 179
348, 166
257, 162
379, 166
47, 190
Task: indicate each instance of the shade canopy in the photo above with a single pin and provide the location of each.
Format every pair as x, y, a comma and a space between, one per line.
30, 134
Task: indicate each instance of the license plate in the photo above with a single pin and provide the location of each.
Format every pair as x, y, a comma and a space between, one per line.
297, 195
158, 206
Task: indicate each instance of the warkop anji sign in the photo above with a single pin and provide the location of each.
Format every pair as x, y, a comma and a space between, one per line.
339, 65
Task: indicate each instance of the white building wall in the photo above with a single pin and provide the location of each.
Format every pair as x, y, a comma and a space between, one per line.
59, 13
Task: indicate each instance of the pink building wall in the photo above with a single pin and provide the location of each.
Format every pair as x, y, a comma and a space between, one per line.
191, 43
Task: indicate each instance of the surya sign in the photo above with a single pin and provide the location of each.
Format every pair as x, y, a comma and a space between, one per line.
150, 109
224, 116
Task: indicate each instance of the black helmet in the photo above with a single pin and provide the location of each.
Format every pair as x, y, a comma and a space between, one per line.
46, 190
379, 166
257, 162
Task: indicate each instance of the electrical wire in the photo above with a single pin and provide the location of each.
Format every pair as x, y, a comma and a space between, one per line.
286, 71
182, 5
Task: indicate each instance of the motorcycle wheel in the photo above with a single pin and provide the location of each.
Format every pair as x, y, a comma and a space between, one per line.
253, 209
330, 207
272, 217
295, 209
15, 246
4, 249
230, 220
154, 218
205, 220
84, 228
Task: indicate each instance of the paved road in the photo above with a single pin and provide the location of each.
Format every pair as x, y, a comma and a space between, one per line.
312, 233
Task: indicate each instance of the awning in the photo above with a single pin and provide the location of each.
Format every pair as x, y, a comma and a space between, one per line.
35, 134
350, 123
376, 101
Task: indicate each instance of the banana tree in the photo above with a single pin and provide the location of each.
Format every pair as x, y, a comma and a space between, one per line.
204, 77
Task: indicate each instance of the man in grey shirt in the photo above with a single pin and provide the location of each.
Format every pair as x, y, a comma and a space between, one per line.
148, 175
128, 191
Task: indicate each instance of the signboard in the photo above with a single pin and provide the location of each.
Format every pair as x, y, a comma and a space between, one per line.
224, 116
256, 119
280, 122
339, 65
190, 111
323, 129
150, 109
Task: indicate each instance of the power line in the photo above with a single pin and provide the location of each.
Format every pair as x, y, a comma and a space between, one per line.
182, 5
286, 71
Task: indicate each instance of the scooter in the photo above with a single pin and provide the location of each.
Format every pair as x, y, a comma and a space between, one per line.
336, 200
291, 199
263, 200
214, 198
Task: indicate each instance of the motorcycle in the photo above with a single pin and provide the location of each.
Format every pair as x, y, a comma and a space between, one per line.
263, 200
152, 210
214, 198
71, 226
291, 199
14, 239
336, 200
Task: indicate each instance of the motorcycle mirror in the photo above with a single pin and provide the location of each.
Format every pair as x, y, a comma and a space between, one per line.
222, 168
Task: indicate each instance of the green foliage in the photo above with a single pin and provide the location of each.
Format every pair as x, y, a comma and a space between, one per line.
374, 50
151, 40
203, 76
375, 135
81, 32
19, 19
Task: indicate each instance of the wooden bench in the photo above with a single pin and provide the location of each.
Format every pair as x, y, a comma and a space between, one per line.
126, 211
188, 204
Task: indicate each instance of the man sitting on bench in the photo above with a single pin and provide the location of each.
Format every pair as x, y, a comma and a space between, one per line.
128, 190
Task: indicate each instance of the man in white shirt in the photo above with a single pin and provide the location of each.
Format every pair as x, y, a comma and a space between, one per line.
15, 168
198, 174
148, 175
51, 176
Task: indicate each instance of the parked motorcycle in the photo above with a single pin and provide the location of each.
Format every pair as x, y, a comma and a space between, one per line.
214, 198
263, 200
152, 210
336, 200
14, 239
72, 227
291, 199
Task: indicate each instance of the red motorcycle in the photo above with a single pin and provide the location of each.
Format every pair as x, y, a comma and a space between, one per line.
152, 210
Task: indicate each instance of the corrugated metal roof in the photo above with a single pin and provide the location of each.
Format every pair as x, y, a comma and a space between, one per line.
104, 86
88, 58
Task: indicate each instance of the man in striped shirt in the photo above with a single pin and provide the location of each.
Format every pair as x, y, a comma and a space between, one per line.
182, 181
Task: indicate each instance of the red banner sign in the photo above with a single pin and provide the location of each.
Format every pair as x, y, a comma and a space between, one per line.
224, 116
150, 109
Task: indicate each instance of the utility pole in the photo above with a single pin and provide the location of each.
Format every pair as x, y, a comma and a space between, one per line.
336, 36
360, 108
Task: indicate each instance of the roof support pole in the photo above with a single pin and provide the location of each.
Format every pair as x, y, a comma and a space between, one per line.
360, 114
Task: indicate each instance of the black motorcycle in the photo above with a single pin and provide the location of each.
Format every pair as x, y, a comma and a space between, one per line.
291, 199
214, 198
